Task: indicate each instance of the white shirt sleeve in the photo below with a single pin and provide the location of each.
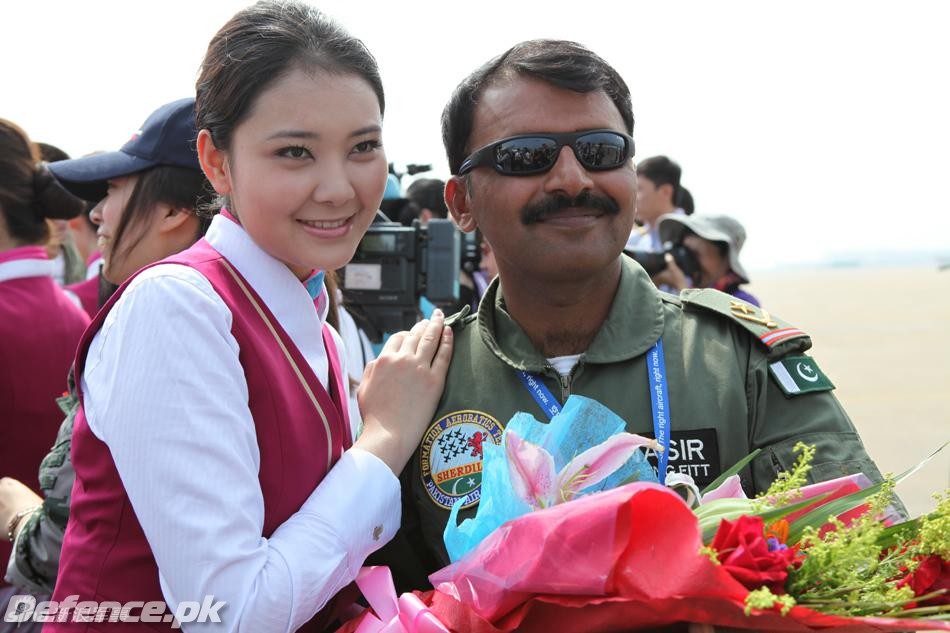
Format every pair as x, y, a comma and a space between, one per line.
164, 389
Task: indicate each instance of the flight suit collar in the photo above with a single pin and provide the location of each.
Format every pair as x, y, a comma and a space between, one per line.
633, 325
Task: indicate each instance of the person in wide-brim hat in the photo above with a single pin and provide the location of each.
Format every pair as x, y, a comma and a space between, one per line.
716, 241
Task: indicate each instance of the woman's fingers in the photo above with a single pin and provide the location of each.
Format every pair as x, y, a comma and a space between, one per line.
440, 364
411, 338
430, 339
393, 343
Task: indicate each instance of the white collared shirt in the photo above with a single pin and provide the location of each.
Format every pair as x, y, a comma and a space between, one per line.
164, 389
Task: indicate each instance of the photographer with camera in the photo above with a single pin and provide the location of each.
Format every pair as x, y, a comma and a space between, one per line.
703, 253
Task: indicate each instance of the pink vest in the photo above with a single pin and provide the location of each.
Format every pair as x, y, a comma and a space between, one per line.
88, 293
105, 553
39, 330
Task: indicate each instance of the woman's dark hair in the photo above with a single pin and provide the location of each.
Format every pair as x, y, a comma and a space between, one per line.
28, 192
260, 45
332, 282
50, 153
166, 184
561, 63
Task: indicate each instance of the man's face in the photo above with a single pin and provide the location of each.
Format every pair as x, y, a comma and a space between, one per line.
652, 201
583, 234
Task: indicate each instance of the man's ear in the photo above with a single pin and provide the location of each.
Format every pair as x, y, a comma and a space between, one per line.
214, 163
666, 191
457, 200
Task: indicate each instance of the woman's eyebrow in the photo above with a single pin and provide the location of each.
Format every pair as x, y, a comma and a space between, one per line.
366, 130
306, 134
293, 134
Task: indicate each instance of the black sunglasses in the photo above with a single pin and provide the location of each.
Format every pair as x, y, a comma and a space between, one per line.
530, 154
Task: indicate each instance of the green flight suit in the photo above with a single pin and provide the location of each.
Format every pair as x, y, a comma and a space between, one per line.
725, 400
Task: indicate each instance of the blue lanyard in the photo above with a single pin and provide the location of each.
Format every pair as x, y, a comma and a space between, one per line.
541, 394
659, 399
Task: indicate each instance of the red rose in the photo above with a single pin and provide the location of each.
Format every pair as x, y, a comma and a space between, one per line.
744, 552
933, 574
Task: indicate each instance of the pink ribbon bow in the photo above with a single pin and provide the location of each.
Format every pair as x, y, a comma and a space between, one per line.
405, 614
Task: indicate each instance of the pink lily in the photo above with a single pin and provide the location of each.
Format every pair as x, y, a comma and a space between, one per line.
731, 488
533, 475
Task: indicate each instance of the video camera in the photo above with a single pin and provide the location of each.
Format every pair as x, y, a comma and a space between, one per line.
654, 262
393, 266
471, 252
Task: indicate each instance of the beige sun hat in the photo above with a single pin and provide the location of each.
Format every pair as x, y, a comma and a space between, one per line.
714, 228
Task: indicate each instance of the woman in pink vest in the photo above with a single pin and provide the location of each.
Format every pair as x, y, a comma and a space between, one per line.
39, 326
151, 212
215, 467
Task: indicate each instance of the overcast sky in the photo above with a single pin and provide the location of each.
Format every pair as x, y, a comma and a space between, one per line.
822, 126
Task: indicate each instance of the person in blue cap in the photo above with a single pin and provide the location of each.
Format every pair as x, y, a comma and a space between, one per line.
152, 189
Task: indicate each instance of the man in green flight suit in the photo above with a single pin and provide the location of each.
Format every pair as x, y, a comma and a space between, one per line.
539, 145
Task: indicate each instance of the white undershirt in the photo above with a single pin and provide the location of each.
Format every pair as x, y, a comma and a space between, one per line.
564, 365
164, 389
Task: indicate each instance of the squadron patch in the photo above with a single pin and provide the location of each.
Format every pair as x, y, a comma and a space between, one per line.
451, 456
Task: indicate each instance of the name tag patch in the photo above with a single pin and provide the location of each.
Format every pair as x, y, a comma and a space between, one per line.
693, 452
797, 375
450, 459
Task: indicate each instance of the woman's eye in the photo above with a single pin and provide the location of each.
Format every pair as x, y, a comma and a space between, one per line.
367, 146
295, 151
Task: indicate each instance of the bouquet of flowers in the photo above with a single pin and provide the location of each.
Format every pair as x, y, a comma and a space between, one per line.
561, 543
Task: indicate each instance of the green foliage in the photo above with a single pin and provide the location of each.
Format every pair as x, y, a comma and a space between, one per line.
764, 599
710, 553
785, 488
845, 572
934, 531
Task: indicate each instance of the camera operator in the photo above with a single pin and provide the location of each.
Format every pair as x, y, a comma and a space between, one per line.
428, 196
659, 193
715, 242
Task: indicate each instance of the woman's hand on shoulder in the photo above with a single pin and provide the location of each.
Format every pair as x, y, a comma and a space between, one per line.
401, 388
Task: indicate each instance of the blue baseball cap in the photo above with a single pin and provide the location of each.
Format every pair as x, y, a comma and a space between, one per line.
166, 138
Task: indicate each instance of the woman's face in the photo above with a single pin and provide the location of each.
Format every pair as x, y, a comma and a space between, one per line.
120, 261
712, 264
306, 169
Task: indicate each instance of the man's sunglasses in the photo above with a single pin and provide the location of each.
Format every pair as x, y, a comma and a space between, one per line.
530, 154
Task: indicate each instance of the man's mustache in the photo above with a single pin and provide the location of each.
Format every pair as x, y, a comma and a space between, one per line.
550, 205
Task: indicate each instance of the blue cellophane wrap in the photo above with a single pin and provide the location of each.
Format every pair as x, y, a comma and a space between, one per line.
581, 424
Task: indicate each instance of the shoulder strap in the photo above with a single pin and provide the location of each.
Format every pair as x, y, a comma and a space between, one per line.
461, 318
776, 336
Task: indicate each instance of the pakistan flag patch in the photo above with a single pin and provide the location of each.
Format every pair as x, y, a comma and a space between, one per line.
799, 374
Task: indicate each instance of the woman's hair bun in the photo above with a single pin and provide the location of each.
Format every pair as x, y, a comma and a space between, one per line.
50, 198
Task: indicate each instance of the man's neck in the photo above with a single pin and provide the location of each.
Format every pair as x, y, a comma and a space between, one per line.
650, 224
561, 317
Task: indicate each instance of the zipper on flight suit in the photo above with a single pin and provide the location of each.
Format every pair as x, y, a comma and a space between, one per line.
565, 381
